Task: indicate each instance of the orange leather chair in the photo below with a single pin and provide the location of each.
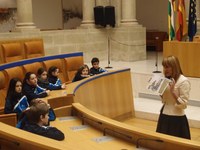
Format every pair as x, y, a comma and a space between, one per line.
12, 52
58, 63
3, 92
15, 72
33, 67
34, 49
72, 64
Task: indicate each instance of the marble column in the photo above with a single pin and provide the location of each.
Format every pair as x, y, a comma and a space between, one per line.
24, 15
103, 2
128, 12
88, 13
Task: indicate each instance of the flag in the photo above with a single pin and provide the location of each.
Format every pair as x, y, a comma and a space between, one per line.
181, 25
192, 23
171, 6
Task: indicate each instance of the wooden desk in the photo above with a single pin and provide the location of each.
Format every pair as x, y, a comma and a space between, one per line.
155, 38
139, 135
188, 54
109, 94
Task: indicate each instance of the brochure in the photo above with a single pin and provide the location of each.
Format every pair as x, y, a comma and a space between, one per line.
157, 84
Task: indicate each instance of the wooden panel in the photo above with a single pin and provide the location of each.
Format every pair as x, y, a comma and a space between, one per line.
63, 111
10, 119
144, 138
17, 139
109, 95
56, 102
188, 54
155, 38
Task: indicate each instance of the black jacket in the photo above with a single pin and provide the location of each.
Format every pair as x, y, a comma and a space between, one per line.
78, 77
94, 71
43, 83
33, 92
47, 131
11, 101
55, 83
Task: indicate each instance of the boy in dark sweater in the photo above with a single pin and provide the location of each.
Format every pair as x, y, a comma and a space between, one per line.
95, 69
38, 119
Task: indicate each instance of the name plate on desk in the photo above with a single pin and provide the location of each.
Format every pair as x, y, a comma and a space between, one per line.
81, 127
102, 139
69, 118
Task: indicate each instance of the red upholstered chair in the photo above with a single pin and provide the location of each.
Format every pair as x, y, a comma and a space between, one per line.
12, 52
34, 48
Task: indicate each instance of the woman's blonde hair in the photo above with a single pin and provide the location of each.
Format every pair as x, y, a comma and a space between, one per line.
173, 62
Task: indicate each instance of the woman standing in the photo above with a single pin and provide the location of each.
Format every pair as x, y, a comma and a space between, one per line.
172, 119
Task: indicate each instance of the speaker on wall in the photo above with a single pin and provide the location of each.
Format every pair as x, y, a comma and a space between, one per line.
110, 15
99, 15
104, 15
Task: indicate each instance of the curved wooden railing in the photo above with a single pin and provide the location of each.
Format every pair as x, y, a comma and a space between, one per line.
139, 136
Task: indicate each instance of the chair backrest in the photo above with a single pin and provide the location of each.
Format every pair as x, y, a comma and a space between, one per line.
72, 65
58, 63
34, 49
16, 72
12, 52
33, 67
3, 91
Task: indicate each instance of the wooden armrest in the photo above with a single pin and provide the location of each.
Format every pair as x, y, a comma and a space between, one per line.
63, 111
1, 110
10, 119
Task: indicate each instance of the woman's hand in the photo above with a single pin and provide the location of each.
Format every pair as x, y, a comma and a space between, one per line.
172, 85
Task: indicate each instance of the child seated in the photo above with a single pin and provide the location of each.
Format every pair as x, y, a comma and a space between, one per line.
23, 119
53, 79
37, 116
83, 72
16, 101
42, 78
31, 89
95, 69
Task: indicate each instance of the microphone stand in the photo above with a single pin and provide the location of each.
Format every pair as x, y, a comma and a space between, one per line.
108, 34
156, 63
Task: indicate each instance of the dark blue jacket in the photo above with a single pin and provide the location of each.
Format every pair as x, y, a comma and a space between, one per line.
10, 103
47, 131
33, 92
54, 83
94, 71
